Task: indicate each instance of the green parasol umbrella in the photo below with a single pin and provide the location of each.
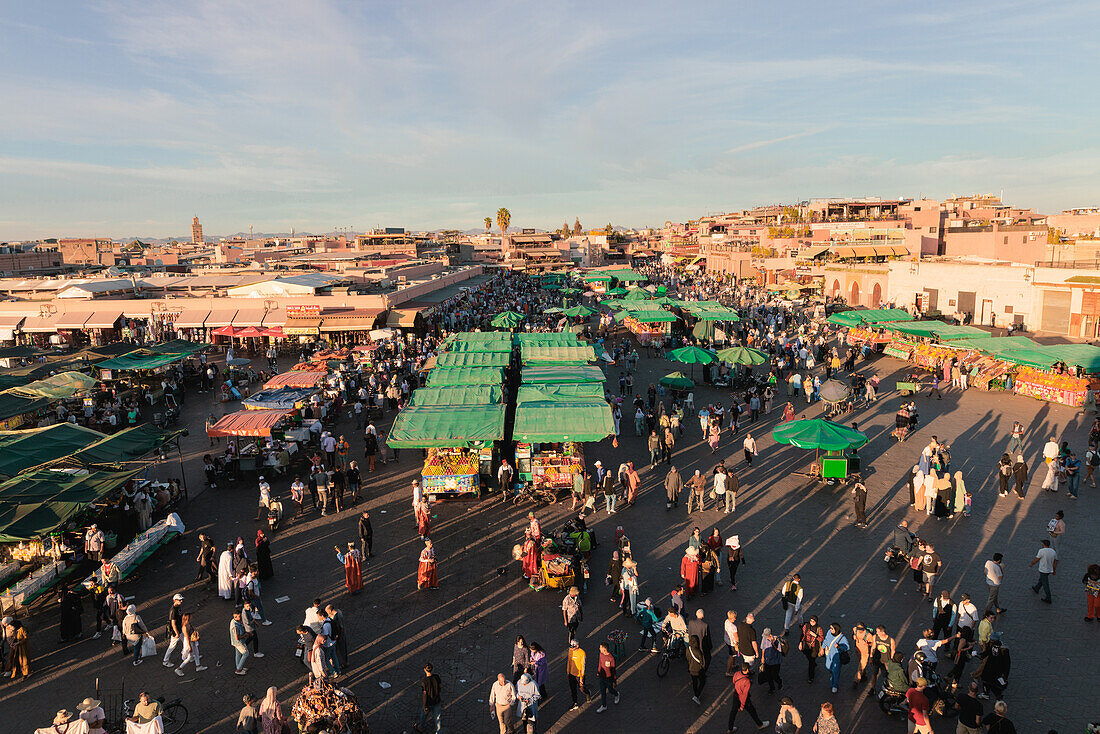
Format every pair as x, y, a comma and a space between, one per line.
507, 320
636, 295
579, 311
818, 433
617, 292
677, 381
569, 290
692, 356
742, 355
553, 309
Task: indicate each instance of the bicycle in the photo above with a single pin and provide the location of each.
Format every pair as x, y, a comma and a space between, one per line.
173, 715
528, 492
674, 648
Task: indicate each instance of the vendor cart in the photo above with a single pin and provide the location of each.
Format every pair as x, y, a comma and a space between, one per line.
556, 571
552, 466
452, 472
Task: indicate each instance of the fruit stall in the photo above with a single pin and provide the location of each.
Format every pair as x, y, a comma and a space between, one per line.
898, 349
451, 472
552, 467
1056, 388
931, 356
864, 335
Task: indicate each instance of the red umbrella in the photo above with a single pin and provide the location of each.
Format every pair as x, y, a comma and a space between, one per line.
275, 332
225, 331
249, 332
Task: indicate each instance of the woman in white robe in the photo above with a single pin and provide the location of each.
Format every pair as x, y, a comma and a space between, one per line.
225, 573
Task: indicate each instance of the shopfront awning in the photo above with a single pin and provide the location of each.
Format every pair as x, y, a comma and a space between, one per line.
303, 327
274, 317
249, 317
220, 317
73, 320
296, 378
362, 319
191, 319
39, 325
444, 426
252, 423
11, 321
103, 319
404, 318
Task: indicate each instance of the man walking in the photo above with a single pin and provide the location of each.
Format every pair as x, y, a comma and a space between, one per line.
673, 485
1047, 558
791, 596
237, 638
502, 697
1056, 528
174, 628
574, 671
607, 676
859, 501
366, 535
930, 565
698, 627
742, 683
571, 612
697, 487
205, 559
431, 698
749, 445
994, 576
1016, 440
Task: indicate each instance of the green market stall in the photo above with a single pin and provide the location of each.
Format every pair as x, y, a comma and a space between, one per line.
837, 441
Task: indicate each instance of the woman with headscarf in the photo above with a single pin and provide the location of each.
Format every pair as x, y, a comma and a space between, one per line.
19, 651
713, 435
527, 701
735, 556
614, 577
271, 713
1004, 475
530, 558
1019, 473
689, 571
960, 494
427, 574
708, 568
540, 667
945, 493
629, 603
788, 413
263, 556
931, 481
423, 518
521, 658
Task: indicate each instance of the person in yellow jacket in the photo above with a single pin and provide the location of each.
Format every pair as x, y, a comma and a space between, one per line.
574, 668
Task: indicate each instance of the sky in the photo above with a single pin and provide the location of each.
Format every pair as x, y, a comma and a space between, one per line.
128, 117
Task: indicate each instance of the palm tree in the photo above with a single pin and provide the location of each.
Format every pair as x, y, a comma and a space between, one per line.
488, 224
577, 226
504, 218
565, 229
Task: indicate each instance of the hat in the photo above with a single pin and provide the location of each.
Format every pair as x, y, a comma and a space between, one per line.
692, 551
88, 703
599, 463
261, 479
734, 541
131, 609
62, 716
177, 597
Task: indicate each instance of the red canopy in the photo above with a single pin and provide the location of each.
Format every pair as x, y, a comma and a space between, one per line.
295, 379
276, 332
249, 331
225, 331
247, 423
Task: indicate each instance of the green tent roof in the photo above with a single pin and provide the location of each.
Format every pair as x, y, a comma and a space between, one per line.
652, 317
458, 395
140, 359
21, 450
13, 404
478, 336
818, 433
478, 347
627, 276
128, 445
717, 314
857, 317
576, 373
594, 277
560, 354
466, 376
177, 346
995, 344
559, 392
472, 359
551, 421
59, 387
33, 505
1085, 356
428, 426
935, 329
547, 337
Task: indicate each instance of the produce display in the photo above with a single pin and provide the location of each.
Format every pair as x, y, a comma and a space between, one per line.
552, 469
450, 464
322, 706
859, 334
1064, 389
898, 350
931, 356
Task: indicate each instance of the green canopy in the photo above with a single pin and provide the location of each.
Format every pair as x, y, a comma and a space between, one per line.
553, 309
477, 336
452, 360
1085, 356
934, 329
445, 426
557, 354
546, 337
858, 317
818, 433
59, 387
677, 381
995, 345
507, 320
457, 395
126, 445
35, 504
21, 450
596, 277
617, 292
538, 374
552, 421
576, 311
458, 376
652, 317
718, 314
742, 355
566, 392
665, 301
569, 291
691, 355
551, 286
13, 404
177, 346
628, 276
478, 347
140, 359
636, 295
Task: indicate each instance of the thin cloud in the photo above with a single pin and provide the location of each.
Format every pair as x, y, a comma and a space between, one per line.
774, 141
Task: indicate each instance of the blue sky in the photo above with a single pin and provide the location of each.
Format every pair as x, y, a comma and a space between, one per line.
127, 118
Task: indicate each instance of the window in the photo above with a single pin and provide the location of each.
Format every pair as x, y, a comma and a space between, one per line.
932, 230
1006, 239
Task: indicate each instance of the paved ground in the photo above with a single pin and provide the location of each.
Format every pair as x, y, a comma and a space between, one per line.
466, 628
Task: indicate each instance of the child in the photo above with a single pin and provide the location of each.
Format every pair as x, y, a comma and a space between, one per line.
248, 720
968, 499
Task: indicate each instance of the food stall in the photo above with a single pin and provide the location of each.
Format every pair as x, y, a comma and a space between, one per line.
451, 471
1067, 389
552, 422
552, 466
144, 545
650, 326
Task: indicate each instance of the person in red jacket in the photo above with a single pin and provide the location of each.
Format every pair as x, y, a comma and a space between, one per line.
606, 674
689, 571
742, 681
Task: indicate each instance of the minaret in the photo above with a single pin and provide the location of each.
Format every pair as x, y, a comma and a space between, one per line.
196, 232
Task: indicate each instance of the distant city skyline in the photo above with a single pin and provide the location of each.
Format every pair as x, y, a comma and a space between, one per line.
129, 117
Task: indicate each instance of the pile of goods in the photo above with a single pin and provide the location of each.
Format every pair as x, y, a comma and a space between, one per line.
322, 706
898, 350
931, 356
321, 366
450, 464
991, 375
860, 334
1065, 389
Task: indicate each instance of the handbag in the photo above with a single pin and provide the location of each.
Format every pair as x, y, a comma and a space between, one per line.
116, 634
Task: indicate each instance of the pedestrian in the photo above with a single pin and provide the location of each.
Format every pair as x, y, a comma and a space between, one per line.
135, 632
174, 629
248, 717
18, 663
431, 701
1072, 466
190, 646
994, 576
265, 500
836, 650
366, 535
238, 639
697, 487
329, 631
791, 599
826, 720
809, 644
788, 720
1056, 528
1091, 581
572, 612
970, 710
540, 668
1020, 475
205, 560
690, 568
353, 478
427, 575
70, 627
930, 565
742, 685
606, 672
918, 708
771, 653
859, 501
574, 671
1047, 559
1016, 440
864, 642
749, 445
673, 485
609, 496
502, 697
654, 445
272, 718
352, 560
263, 556
91, 711
321, 479
697, 667
735, 556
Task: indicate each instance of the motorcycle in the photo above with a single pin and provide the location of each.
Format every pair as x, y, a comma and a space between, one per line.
895, 557
274, 515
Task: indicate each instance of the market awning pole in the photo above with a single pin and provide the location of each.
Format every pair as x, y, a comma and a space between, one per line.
183, 474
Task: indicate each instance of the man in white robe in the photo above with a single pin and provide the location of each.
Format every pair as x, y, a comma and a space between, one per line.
225, 573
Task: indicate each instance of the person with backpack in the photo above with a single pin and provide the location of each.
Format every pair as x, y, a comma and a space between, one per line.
810, 645
791, 599
772, 651
836, 649
1092, 460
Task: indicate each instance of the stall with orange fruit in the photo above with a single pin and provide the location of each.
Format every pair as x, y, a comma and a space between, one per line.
1056, 388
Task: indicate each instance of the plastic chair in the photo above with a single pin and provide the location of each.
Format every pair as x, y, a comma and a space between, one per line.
689, 401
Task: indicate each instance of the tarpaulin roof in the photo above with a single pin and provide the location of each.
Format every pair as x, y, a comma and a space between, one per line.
937, 329
33, 505
650, 317
716, 314
548, 337
279, 398
538, 374
58, 387
560, 354
995, 344
1085, 356
466, 376
818, 433
869, 316
559, 392
296, 378
13, 404
151, 357
478, 336
479, 347
430, 426
20, 450
451, 360
552, 420
177, 346
457, 395
247, 423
